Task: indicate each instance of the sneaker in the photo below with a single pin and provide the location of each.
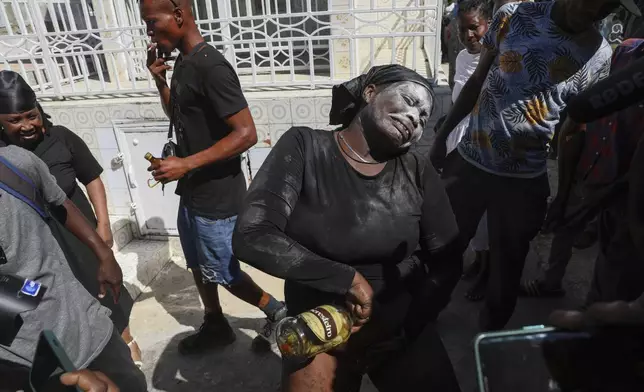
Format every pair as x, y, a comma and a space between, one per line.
214, 333
266, 337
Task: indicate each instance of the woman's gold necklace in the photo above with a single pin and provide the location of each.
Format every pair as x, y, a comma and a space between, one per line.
360, 158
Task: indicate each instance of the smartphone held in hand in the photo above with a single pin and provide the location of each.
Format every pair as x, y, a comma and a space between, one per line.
544, 359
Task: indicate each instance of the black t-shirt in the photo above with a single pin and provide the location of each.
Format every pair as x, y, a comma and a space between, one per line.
205, 91
69, 159
312, 219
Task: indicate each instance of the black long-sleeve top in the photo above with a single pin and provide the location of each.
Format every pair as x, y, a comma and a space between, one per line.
309, 217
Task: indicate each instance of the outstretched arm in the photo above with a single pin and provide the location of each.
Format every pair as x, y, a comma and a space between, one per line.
259, 238
221, 87
109, 273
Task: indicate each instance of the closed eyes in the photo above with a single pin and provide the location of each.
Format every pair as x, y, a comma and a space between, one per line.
424, 116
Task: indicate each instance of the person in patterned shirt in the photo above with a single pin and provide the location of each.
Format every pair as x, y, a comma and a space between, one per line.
536, 56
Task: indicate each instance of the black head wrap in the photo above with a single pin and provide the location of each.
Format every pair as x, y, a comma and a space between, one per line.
347, 99
16, 96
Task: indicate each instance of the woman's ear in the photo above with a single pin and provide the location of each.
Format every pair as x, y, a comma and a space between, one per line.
369, 93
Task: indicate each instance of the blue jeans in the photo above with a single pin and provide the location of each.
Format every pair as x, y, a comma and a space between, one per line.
207, 245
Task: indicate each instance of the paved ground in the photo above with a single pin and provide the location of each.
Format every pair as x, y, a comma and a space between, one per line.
171, 309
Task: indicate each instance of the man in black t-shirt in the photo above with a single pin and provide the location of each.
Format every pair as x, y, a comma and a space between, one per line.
213, 127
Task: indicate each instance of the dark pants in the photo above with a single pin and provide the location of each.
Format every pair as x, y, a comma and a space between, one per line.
114, 361
619, 269
516, 209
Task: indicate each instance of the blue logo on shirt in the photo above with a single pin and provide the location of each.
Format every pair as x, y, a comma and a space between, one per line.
31, 288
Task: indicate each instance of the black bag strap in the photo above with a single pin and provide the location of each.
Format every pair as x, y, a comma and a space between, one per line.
14, 182
170, 127
200, 46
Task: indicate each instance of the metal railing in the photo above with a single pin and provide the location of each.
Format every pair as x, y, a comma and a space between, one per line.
76, 48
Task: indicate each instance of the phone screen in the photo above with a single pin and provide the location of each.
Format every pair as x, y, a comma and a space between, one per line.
49, 362
517, 363
557, 361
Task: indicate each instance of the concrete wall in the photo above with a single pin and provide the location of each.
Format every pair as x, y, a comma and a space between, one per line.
92, 120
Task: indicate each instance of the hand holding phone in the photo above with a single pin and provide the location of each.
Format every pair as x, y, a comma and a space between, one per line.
540, 359
89, 381
50, 357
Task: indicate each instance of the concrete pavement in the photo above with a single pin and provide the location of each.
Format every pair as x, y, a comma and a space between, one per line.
170, 309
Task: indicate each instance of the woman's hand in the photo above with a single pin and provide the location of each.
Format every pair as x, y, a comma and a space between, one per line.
109, 274
105, 232
89, 381
360, 301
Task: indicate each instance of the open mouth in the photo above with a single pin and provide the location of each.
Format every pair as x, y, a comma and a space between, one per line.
29, 135
403, 127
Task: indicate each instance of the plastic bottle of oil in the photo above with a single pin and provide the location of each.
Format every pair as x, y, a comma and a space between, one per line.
313, 332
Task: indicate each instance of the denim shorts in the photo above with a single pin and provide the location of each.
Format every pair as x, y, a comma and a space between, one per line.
207, 245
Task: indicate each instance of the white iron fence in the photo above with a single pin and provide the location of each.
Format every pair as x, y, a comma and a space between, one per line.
67, 48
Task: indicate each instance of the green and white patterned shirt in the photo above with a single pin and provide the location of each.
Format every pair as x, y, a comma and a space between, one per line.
539, 67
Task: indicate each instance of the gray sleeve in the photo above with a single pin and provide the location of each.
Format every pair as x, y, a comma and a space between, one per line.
47, 183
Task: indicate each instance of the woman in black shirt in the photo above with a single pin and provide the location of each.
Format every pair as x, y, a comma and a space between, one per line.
352, 217
69, 159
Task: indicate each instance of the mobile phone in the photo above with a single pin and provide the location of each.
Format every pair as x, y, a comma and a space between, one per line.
50, 361
165, 55
544, 359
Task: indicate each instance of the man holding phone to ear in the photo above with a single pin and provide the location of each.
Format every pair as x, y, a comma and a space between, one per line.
31, 252
213, 128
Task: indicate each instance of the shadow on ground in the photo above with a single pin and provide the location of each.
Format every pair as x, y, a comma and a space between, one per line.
170, 312
232, 369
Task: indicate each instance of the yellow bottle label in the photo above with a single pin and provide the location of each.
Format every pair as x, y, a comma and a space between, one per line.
325, 322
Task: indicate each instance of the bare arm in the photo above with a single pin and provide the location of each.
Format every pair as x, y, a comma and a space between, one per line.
97, 196
109, 272
65, 210
164, 94
468, 95
242, 137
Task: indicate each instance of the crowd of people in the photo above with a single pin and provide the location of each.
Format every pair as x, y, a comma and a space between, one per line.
357, 216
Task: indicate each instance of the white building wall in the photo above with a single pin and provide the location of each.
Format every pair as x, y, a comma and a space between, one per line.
92, 120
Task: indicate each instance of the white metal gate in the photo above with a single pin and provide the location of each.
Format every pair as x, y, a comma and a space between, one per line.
70, 48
